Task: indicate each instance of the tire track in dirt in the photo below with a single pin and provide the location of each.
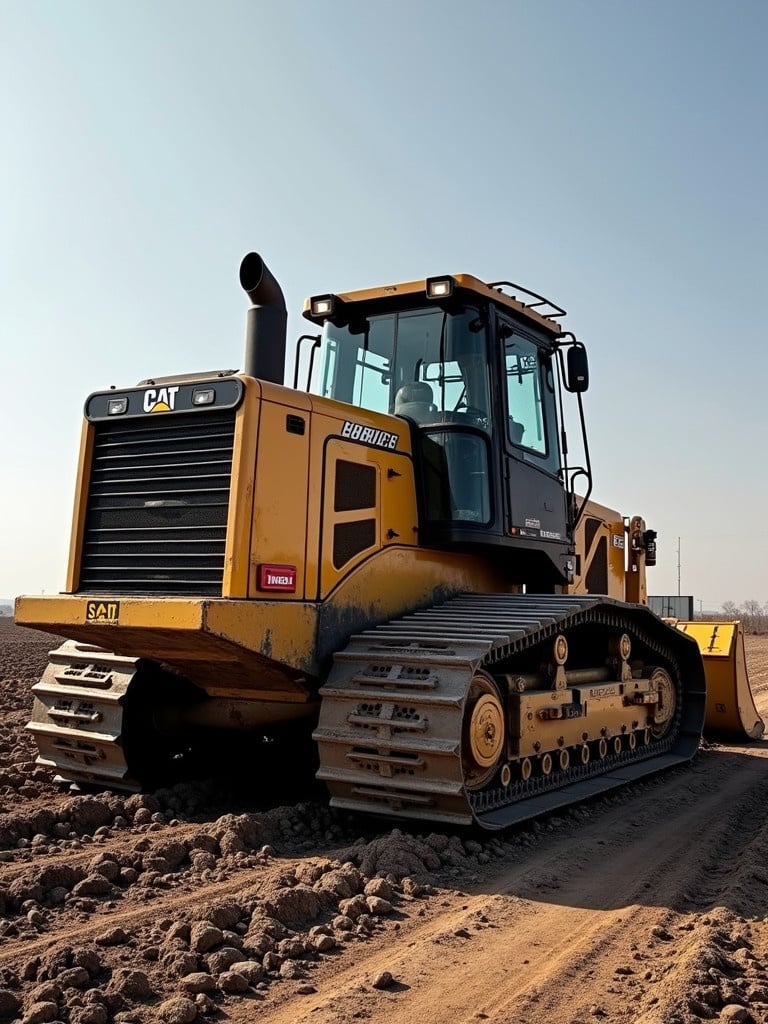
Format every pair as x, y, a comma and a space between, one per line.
546, 943
160, 904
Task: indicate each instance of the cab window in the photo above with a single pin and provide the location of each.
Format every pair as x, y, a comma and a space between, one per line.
427, 364
530, 400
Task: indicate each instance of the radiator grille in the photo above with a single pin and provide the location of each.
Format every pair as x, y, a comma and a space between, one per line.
158, 499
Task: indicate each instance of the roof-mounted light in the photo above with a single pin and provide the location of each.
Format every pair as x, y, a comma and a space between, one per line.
331, 308
440, 287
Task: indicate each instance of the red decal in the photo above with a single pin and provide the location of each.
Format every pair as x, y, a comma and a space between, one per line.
277, 577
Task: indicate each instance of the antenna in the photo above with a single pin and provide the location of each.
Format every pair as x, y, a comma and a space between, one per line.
678, 567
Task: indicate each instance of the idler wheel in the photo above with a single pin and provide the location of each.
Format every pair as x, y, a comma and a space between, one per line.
664, 713
483, 732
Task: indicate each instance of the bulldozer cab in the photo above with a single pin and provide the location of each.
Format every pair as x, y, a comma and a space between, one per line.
479, 376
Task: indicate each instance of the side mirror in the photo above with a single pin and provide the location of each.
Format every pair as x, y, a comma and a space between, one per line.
578, 369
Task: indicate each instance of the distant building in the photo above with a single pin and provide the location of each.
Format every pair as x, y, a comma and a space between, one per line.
673, 606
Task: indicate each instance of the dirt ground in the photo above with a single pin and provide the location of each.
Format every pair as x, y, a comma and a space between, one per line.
649, 907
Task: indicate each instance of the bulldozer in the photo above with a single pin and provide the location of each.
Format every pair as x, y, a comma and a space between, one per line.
397, 555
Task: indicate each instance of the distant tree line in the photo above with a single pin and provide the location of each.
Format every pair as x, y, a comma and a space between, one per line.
753, 615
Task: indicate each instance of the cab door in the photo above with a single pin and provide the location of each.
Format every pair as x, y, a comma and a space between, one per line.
536, 505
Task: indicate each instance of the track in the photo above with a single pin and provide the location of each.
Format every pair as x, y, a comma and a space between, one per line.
77, 716
394, 708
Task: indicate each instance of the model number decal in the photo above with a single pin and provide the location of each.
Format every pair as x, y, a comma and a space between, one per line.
618, 541
103, 612
598, 692
369, 435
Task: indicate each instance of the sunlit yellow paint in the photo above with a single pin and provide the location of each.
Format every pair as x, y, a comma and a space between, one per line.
280, 514
240, 515
730, 704
85, 461
396, 496
399, 579
612, 529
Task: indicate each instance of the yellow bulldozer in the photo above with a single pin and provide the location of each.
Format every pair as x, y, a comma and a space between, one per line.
399, 555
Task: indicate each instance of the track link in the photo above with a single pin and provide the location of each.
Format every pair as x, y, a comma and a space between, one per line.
392, 712
77, 716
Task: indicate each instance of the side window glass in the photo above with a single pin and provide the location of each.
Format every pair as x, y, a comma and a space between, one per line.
525, 422
355, 366
447, 385
371, 388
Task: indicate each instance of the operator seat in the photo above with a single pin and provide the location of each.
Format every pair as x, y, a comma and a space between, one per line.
416, 401
516, 431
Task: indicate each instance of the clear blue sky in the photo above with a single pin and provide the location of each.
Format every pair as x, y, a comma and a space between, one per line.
612, 155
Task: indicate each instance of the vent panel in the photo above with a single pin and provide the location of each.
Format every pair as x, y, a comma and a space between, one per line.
355, 486
349, 539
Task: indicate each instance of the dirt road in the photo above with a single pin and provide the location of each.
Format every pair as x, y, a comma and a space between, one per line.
646, 906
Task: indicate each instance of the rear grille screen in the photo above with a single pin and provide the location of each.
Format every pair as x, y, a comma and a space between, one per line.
158, 500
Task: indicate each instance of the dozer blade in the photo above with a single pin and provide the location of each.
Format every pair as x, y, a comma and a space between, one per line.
730, 705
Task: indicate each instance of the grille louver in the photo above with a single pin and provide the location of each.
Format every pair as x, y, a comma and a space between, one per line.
157, 505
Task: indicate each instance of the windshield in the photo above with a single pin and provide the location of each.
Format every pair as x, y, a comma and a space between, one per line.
427, 364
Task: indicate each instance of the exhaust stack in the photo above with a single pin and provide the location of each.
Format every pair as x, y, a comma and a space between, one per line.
267, 317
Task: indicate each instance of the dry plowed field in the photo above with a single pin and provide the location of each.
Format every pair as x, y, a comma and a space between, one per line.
207, 902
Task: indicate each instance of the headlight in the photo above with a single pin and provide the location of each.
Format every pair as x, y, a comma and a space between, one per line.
117, 406
324, 306
203, 396
439, 287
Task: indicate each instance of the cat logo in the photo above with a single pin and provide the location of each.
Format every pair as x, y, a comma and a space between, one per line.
105, 612
160, 399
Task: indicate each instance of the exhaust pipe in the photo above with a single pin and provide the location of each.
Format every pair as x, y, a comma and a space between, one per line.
267, 317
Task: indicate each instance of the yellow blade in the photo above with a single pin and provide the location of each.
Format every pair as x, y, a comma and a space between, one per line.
730, 704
